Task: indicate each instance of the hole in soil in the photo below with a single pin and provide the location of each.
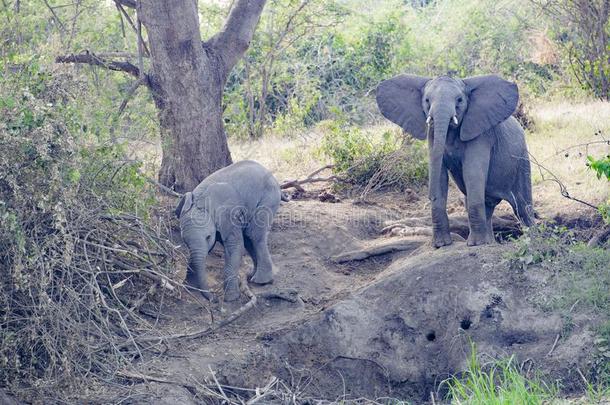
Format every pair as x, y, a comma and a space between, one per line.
465, 323
431, 336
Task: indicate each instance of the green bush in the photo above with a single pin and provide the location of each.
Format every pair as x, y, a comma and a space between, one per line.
374, 163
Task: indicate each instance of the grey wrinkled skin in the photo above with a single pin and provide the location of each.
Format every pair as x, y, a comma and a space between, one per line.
485, 152
235, 206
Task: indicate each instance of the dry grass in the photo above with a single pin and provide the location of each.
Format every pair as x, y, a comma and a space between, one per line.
563, 135
287, 158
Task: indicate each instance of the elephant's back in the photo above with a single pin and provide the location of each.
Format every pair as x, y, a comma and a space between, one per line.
239, 174
249, 179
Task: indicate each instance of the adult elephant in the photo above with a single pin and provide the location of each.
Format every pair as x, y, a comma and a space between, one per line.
471, 134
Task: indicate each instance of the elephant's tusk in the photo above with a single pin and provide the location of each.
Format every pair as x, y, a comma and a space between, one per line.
429, 119
455, 120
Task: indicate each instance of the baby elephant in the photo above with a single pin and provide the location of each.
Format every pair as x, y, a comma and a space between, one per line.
234, 206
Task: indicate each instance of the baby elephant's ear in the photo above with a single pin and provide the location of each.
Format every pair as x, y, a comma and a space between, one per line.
400, 100
185, 204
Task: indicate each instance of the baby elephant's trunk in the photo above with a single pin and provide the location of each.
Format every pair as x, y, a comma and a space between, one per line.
196, 275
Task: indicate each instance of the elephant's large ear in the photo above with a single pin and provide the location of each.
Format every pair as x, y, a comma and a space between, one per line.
491, 100
185, 204
400, 100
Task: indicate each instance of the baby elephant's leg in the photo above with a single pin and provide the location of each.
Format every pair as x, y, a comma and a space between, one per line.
233, 253
263, 272
256, 234
249, 245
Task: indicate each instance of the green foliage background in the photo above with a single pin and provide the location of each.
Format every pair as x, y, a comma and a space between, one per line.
307, 58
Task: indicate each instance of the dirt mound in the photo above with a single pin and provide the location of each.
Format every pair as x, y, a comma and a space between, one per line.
412, 328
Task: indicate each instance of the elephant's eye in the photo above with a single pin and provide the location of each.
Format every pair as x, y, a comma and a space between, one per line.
459, 100
427, 100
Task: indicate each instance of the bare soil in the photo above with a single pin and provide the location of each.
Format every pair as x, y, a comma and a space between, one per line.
394, 325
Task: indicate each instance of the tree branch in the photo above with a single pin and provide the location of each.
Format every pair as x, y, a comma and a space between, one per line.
233, 41
92, 59
383, 248
127, 3
309, 179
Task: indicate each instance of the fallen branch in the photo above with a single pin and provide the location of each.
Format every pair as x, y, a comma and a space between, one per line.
458, 224
215, 389
286, 294
149, 378
263, 392
161, 187
310, 179
406, 222
380, 249
153, 314
202, 332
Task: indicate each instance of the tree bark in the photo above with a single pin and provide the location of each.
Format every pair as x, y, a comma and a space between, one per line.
187, 81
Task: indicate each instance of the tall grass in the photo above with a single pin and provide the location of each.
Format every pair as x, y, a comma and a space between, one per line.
499, 383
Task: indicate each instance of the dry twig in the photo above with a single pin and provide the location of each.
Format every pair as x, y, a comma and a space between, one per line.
297, 184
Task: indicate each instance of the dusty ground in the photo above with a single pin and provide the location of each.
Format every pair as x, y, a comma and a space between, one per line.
394, 325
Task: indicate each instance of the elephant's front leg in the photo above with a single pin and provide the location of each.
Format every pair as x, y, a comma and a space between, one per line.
440, 220
475, 169
234, 246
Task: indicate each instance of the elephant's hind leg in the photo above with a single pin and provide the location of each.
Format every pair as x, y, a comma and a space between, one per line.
522, 208
521, 196
263, 269
251, 252
256, 237
257, 233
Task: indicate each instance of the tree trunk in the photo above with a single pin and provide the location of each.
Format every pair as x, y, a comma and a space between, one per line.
187, 81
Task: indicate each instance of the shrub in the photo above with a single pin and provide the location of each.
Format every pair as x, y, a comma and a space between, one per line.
367, 163
75, 261
543, 242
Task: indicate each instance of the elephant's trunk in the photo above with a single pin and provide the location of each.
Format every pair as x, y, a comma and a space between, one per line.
196, 273
440, 124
